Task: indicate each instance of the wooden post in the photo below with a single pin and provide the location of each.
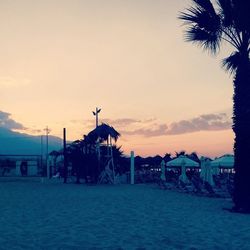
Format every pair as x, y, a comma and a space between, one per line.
47, 152
65, 171
112, 159
132, 168
163, 171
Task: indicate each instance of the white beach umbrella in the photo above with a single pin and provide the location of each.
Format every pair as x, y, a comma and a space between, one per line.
163, 177
225, 161
177, 162
183, 175
183, 162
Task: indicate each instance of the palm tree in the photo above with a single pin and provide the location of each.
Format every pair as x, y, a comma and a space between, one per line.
193, 156
103, 132
167, 157
182, 152
210, 23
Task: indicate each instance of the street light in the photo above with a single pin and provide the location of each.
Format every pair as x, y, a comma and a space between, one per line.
47, 130
95, 113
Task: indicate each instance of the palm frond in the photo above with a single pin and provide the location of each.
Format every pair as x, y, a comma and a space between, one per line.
205, 25
201, 18
241, 10
103, 132
205, 5
231, 63
209, 41
226, 12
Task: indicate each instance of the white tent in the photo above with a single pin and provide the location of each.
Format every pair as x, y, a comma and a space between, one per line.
224, 162
183, 162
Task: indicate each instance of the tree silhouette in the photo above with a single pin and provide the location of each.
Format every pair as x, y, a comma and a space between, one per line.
193, 156
182, 152
167, 157
209, 24
82, 154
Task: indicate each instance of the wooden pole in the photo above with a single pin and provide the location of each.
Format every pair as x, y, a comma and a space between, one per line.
96, 117
65, 157
163, 171
112, 159
47, 152
132, 168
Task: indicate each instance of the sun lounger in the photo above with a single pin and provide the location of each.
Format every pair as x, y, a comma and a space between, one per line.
230, 187
210, 190
185, 187
163, 184
57, 175
197, 184
217, 181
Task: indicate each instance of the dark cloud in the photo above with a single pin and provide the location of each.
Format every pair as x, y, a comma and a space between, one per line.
7, 122
207, 122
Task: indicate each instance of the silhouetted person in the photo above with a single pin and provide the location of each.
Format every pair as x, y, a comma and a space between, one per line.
24, 168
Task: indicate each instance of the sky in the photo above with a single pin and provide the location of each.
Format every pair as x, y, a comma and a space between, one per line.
62, 59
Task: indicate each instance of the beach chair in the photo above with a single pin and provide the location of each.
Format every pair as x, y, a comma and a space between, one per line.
217, 181
185, 187
163, 184
197, 184
210, 190
57, 175
230, 187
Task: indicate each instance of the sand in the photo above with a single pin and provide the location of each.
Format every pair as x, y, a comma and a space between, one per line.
35, 215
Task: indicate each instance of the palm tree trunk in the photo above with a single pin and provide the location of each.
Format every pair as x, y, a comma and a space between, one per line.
241, 127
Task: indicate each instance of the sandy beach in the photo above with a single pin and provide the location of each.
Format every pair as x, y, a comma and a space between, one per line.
37, 215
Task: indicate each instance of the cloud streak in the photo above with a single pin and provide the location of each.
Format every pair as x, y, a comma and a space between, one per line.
206, 122
117, 123
120, 122
152, 128
157, 130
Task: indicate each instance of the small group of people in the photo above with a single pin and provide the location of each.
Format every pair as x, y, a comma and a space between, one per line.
5, 167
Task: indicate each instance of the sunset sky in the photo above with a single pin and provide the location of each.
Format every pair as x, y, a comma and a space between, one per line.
62, 58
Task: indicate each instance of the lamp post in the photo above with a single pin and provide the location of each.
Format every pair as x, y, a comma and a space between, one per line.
47, 131
95, 113
65, 157
132, 167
